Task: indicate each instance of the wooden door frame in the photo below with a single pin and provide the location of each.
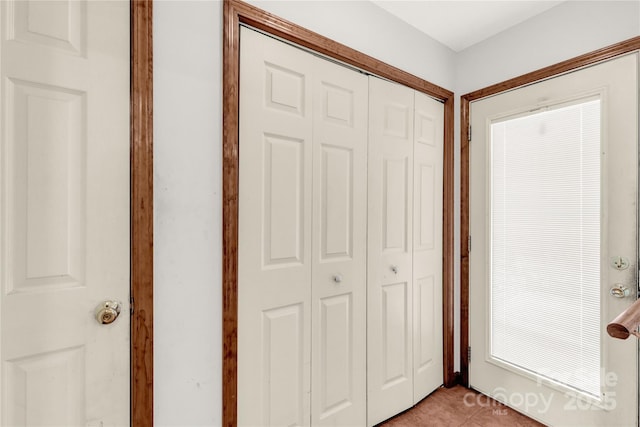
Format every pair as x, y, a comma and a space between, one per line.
141, 148
573, 64
237, 12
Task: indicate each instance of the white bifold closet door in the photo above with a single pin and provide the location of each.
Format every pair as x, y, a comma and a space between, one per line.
427, 245
404, 325
339, 249
302, 238
308, 127
390, 239
274, 233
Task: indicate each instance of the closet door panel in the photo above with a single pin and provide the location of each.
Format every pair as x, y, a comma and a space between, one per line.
395, 183
390, 242
427, 245
274, 240
339, 245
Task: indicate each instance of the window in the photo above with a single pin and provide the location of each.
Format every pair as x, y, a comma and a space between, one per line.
546, 243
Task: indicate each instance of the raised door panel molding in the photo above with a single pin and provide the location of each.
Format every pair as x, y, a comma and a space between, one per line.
338, 105
283, 195
46, 389
426, 203
46, 142
396, 341
396, 120
394, 204
58, 24
427, 343
336, 354
337, 203
285, 89
426, 128
282, 380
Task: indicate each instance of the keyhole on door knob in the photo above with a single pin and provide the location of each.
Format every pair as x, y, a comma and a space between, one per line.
107, 312
394, 268
107, 316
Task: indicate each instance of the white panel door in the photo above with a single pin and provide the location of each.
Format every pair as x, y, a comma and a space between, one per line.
338, 381
390, 247
274, 240
574, 153
64, 212
427, 245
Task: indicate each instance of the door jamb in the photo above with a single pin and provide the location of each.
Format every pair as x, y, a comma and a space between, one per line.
235, 13
141, 149
572, 64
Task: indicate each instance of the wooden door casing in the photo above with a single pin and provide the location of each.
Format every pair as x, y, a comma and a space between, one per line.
141, 258
235, 13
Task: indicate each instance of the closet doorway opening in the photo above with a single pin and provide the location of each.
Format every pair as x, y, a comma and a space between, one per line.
236, 13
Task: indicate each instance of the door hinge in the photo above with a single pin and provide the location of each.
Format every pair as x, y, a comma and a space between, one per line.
131, 305
469, 244
469, 354
469, 134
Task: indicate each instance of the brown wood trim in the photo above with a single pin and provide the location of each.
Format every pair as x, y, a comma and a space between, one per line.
272, 24
230, 120
562, 67
464, 241
581, 61
235, 13
141, 213
449, 377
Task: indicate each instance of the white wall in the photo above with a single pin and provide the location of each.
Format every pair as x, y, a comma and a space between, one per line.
187, 150
187, 190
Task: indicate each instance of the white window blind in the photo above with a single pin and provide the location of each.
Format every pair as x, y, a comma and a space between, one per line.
545, 244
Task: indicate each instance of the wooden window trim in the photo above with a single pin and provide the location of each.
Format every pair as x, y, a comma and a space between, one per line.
141, 148
573, 64
237, 12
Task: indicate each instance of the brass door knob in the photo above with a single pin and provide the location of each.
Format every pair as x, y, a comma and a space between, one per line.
107, 312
